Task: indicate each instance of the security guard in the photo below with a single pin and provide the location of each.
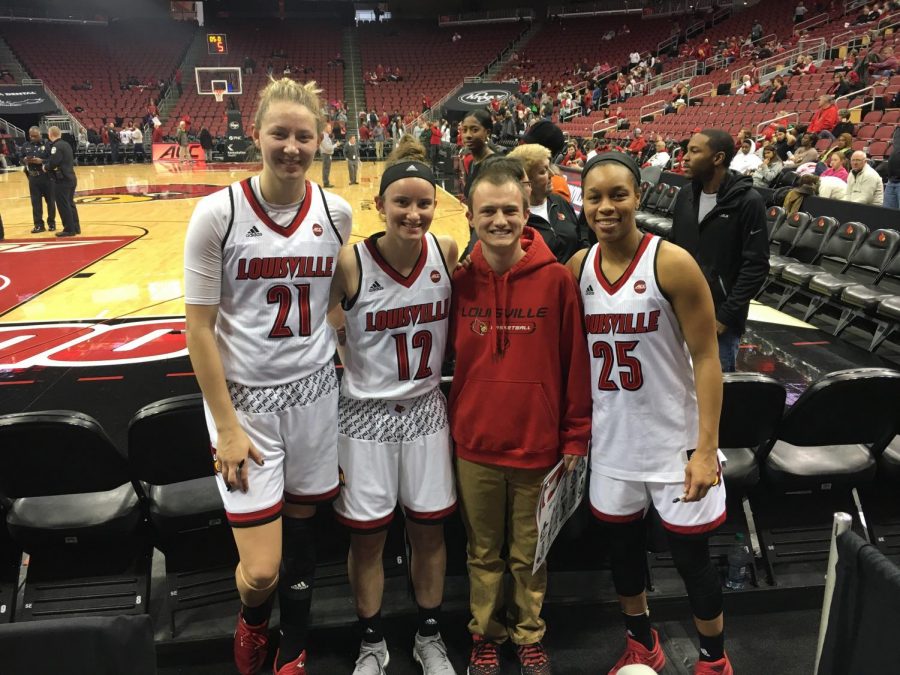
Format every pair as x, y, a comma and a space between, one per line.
35, 152
61, 168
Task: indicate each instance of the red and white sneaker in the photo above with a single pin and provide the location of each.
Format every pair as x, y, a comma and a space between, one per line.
295, 667
485, 658
720, 667
636, 653
251, 644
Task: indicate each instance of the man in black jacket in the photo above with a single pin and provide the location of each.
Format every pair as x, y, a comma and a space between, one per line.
61, 168
721, 220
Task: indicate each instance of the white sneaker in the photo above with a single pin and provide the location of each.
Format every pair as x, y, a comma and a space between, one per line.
431, 654
373, 658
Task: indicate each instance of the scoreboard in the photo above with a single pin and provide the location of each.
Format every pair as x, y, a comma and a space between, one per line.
216, 43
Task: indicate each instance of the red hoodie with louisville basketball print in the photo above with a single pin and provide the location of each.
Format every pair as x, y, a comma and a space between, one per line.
521, 390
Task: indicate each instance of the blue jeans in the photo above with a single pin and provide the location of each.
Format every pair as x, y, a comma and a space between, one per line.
729, 341
892, 195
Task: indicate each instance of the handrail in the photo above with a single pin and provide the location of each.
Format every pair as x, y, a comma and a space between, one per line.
686, 72
713, 63
892, 19
11, 129
786, 59
696, 91
853, 95
670, 41
488, 16
597, 129
850, 5
694, 28
425, 115
78, 126
778, 118
746, 49
721, 13
840, 39
664, 102
814, 22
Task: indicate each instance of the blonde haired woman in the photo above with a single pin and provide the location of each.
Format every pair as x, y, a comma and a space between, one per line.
259, 256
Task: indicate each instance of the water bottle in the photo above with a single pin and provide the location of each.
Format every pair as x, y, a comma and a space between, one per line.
739, 561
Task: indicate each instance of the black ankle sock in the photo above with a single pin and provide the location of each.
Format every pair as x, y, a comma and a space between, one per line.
291, 644
371, 628
638, 628
429, 621
256, 616
712, 648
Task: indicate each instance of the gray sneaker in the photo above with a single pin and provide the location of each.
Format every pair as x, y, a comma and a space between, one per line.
372, 659
431, 654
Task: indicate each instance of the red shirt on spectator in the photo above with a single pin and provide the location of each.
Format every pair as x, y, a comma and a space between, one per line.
637, 145
364, 133
824, 119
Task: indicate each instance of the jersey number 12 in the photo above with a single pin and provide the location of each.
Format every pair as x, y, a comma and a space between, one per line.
421, 341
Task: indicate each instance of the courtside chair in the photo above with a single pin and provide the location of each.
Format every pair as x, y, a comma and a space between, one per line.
10, 557
169, 454
75, 511
824, 448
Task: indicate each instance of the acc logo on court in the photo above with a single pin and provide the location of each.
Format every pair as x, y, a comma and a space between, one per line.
122, 194
483, 96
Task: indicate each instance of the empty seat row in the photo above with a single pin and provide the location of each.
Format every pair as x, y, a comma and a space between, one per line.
839, 264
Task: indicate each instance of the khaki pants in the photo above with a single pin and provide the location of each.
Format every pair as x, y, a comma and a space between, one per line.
498, 504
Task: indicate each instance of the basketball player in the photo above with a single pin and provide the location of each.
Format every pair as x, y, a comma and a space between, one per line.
657, 390
476, 132
520, 403
259, 260
394, 437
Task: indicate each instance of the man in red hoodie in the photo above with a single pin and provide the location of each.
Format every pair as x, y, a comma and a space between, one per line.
520, 401
825, 118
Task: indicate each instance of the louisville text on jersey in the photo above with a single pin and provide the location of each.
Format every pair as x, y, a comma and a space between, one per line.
285, 267
411, 315
622, 324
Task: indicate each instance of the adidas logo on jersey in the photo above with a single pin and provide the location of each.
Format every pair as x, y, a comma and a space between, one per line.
589, 291
375, 287
254, 232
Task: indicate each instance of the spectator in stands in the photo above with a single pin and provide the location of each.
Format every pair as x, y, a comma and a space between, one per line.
745, 161
840, 86
842, 146
845, 126
804, 152
551, 137
864, 185
756, 31
832, 187
825, 119
809, 185
550, 214
732, 246
748, 86
660, 158
800, 12
637, 145
866, 15
888, 64
836, 167
573, 157
775, 92
769, 168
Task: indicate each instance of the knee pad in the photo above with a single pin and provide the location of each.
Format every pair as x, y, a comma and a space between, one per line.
701, 578
627, 556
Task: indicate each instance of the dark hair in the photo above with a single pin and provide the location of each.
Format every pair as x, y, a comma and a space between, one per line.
483, 117
720, 141
619, 158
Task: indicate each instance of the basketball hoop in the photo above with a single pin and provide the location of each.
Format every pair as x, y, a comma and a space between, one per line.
219, 94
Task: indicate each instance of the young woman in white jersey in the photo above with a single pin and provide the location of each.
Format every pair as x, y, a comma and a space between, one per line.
259, 260
657, 394
394, 438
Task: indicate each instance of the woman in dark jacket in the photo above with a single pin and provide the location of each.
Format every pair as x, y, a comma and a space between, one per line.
551, 215
206, 142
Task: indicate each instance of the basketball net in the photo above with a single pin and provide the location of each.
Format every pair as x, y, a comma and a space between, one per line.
219, 94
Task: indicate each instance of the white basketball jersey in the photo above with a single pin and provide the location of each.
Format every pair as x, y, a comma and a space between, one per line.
645, 417
396, 325
275, 286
